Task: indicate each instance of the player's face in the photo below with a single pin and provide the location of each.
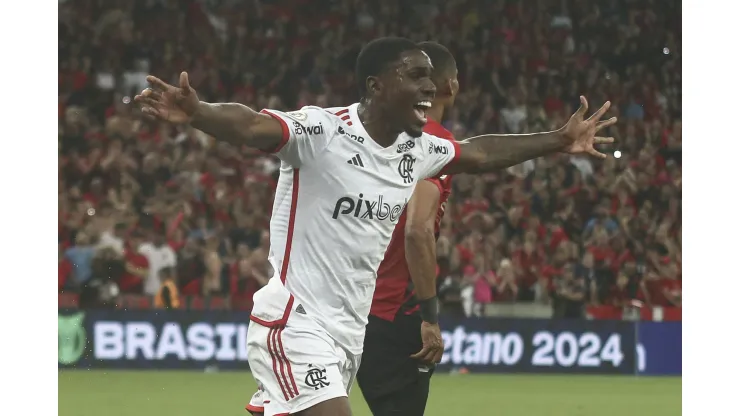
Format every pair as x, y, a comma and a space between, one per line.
410, 92
454, 89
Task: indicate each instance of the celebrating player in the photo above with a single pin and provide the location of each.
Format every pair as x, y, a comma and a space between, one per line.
345, 178
396, 365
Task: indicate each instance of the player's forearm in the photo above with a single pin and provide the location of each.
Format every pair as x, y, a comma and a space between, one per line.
229, 122
491, 152
421, 261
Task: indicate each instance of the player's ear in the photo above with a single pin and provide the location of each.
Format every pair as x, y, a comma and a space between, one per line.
453, 86
373, 85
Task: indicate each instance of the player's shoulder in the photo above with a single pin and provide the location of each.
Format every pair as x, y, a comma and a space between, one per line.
339, 116
433, 144
435, 129
309, 113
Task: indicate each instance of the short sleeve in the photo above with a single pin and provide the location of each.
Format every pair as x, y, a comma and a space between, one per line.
440, 154
306, 133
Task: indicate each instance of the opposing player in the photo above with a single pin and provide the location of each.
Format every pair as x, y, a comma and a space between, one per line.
396, 365
345, 177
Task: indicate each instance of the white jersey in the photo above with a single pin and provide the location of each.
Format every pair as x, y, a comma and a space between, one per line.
338, 199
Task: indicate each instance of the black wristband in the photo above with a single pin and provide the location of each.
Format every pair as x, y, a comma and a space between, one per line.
429, 310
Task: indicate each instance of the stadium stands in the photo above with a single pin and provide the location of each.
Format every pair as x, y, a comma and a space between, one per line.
533, 233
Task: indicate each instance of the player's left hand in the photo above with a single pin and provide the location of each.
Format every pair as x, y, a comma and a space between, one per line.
432, 344
581, 134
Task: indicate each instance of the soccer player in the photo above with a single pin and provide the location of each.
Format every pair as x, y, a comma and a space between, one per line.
396, 366
345, 178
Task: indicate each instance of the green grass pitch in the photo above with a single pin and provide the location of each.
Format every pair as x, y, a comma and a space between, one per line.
182, 393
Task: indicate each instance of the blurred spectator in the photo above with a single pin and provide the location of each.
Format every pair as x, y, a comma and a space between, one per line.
65, 269
101, 291
212, 260
81, 257
168, 297
451, 301
477, 289
570, 295
191, 267
159, 255
113, 240
136, 266
505, 287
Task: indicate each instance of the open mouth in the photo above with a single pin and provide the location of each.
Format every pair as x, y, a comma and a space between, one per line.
420, 109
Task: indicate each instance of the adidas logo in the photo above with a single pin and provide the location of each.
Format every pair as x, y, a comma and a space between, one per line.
300, 309
356, 160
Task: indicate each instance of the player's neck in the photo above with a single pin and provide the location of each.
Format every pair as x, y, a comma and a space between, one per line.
373, 122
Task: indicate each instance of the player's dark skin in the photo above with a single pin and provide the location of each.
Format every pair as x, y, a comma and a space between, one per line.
386, 111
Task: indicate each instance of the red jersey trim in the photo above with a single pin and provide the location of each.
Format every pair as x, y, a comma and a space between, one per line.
291, 225
284, 126
455, 158
286, 257
342, 114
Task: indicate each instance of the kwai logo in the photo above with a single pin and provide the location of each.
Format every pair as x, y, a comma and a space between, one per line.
362, 208
72, 338
440, 150
299, 128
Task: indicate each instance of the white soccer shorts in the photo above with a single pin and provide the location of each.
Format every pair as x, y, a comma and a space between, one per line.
296, 364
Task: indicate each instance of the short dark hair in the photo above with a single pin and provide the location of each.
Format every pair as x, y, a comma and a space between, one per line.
375, 57
442, 60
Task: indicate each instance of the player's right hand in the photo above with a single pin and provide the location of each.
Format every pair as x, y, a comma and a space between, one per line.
169, 103
432, 344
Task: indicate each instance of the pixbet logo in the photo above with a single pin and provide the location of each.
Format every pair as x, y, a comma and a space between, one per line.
362, 208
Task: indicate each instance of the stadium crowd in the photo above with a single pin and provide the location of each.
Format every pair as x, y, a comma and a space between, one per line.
141, 201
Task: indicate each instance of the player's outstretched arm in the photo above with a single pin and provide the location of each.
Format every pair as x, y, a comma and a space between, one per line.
497, 151
421, 214
421, 258
234, 123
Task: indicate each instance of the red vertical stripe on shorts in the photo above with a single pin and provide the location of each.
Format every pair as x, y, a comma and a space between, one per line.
282, 361
291, 224
287, 363
272, 351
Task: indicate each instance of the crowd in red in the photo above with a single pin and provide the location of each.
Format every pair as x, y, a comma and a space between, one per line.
139, 199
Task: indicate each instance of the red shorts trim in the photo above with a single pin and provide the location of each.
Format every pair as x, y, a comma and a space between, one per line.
254, 409
284, 375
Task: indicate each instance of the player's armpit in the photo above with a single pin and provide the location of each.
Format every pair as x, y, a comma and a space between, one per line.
239, 125
421, 214
491, 152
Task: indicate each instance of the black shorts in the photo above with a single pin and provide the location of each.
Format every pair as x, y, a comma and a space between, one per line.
392, 383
